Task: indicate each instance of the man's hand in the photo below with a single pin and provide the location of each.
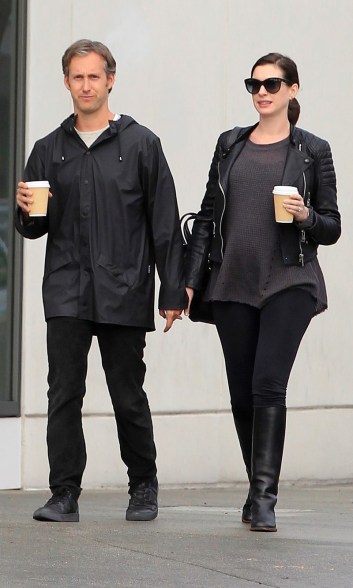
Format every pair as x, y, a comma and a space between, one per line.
24, 198
170, 316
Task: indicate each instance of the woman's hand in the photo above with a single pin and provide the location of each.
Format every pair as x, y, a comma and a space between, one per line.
295, 205
190, 293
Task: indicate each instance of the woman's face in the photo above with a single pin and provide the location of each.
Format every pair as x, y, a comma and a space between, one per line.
272, 105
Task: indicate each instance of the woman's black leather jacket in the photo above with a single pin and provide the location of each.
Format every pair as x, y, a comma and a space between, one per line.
308, 166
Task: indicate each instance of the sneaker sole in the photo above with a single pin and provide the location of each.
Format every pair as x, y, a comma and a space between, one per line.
264, 529
64, 518
136, 516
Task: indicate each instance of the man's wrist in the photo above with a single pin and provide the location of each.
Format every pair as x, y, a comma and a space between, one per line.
25, 217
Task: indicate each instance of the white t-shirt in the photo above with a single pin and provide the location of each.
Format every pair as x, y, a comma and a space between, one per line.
89, 137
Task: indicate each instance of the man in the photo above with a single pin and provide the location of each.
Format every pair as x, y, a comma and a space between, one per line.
112, 216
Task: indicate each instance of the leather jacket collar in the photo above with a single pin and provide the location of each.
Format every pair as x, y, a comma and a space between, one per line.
297, 161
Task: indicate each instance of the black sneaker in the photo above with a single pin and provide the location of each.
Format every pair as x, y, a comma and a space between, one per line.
62, 507
143, 505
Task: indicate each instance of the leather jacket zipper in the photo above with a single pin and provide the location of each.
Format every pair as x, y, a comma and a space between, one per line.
302, 236
222, 215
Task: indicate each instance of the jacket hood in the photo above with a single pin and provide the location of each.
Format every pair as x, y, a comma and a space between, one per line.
116, 127
121, 124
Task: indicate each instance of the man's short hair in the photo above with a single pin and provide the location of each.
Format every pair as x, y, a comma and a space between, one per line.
84, 47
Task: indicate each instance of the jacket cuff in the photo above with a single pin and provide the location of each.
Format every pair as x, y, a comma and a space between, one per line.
32, 229
308, 222
172, 299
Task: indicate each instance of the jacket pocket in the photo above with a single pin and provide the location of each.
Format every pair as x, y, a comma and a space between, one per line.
122, 275
56, 262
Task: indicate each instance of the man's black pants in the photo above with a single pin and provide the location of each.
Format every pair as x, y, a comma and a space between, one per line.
121, 348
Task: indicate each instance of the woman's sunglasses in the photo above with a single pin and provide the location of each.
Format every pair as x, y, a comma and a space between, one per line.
271, 85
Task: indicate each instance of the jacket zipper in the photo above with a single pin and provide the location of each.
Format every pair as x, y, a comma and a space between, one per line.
302, 236
224, 207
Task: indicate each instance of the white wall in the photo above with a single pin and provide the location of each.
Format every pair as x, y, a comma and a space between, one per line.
181, 65
10, 443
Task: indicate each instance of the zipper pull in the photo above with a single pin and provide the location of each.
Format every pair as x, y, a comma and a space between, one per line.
301, 259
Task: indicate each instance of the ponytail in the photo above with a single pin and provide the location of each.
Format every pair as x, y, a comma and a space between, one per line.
293, 111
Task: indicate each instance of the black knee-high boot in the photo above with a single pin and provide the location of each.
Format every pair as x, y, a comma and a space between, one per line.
268, 441
244, 427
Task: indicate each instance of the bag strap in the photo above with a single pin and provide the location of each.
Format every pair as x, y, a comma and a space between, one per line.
188, 217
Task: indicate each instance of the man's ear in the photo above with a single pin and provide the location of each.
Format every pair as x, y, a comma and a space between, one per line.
66, 82
110, 80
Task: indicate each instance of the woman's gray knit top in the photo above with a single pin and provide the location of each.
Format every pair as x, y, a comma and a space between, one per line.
252, 269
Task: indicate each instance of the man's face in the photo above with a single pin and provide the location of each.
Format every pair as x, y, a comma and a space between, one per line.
88, 83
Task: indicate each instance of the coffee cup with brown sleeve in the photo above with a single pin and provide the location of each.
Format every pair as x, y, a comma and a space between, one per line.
40, 195
281, 193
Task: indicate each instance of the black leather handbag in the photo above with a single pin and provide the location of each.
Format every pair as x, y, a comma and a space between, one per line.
200, 310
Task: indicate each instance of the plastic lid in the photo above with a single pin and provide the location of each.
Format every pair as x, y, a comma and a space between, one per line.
38, 184
285, 190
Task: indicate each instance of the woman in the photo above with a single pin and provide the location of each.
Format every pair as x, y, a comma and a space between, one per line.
266, 283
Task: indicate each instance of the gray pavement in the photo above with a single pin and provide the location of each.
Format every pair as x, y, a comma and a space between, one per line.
197, 541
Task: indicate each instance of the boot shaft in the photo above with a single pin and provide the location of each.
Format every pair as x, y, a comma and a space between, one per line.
244, 428
268, 442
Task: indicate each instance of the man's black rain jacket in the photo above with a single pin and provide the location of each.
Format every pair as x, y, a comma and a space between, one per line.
113, 216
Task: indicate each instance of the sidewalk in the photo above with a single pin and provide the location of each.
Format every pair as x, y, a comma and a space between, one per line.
197, 541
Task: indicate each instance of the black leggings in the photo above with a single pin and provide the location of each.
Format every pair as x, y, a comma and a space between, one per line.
260, 346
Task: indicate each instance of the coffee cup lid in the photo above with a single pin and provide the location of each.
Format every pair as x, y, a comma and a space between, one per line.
38, 184
285, 190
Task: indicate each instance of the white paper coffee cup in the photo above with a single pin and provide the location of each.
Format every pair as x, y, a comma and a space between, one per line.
40, 191
281, 193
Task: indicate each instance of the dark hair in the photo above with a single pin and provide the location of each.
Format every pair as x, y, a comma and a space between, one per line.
290, 72
85, 46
